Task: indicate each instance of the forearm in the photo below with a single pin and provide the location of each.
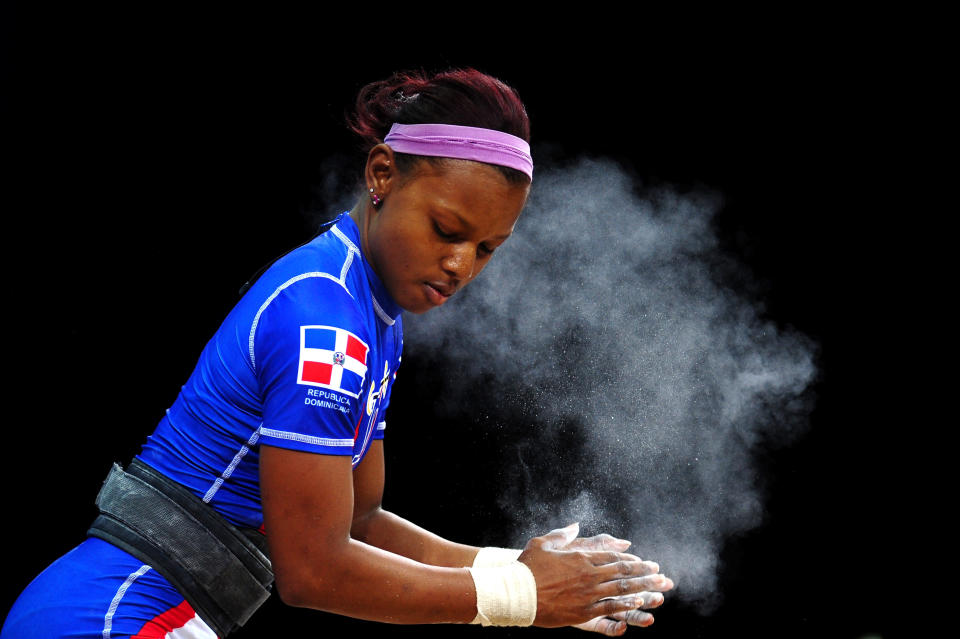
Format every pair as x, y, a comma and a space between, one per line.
366, 582
324, 557
395, 534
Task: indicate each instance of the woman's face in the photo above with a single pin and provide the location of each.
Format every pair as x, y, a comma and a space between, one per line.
435, 231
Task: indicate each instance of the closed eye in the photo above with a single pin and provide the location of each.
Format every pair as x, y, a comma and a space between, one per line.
482, 249
440, 232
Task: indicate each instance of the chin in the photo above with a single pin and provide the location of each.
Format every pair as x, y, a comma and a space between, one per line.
419, 311
415, 306
420, 307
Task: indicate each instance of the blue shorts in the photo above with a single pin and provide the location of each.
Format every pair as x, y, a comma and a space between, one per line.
99, 591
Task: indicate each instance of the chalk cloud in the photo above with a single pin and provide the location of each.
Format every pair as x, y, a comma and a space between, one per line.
607, 325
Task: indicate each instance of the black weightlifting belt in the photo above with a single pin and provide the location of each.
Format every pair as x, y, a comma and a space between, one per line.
223, 572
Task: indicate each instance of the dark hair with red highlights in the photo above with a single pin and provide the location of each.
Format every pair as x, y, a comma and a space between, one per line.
466, 97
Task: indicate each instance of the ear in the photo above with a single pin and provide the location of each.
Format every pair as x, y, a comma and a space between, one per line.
381, 172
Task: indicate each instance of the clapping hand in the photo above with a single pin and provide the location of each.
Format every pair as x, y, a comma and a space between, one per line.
615, 622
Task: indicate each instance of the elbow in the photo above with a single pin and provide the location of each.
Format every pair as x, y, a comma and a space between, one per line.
297, 599
363, 525
293, 591
309, 584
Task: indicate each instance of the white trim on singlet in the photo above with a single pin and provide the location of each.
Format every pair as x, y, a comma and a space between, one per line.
382, 314
306, 439
342, 281
352, 248
121, 591
232, 466
346, 268
263, 307
346, 240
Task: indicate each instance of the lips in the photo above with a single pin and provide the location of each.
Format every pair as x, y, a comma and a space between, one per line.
438, 292
444, 289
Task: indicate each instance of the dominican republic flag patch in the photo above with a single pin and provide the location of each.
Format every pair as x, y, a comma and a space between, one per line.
332, 358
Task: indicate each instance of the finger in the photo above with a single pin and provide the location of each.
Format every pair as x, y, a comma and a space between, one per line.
651, 600
628, 568
646, 600
614, 606
604, 626
634, 617
602, 557
634, 585
598, 542
560, 537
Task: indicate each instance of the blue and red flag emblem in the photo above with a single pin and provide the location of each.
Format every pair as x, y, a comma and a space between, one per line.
332, 358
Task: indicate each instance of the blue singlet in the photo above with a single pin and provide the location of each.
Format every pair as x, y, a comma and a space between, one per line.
305, 361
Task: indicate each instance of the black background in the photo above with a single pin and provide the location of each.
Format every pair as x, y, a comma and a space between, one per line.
161, 155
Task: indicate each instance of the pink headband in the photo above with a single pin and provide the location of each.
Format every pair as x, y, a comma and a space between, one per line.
462, 143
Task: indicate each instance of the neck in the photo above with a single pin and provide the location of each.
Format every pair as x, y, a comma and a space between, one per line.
360, 217
360, 214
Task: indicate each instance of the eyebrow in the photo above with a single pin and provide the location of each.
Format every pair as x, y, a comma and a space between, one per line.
467, 224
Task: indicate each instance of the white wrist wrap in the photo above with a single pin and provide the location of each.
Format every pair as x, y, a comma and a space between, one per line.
491, 556
506, 595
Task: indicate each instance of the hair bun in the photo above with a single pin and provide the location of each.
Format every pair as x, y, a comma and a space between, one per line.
460, 96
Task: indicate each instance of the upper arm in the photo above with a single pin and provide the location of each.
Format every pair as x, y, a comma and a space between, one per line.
307, 509
310, 402
368, 481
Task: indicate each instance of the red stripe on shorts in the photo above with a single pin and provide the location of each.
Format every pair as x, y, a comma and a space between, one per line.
163, 623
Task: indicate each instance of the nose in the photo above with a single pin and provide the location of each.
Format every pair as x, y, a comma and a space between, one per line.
460, 261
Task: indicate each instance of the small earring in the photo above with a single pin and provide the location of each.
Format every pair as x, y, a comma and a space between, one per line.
375, 198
